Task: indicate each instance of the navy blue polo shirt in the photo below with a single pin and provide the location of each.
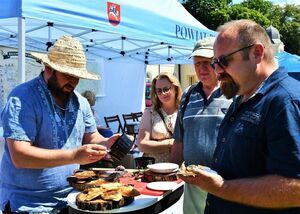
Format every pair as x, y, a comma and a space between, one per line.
260, 137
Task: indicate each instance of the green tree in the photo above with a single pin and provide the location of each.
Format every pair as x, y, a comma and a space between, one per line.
213, 13
242, 12
261, 6
291, 36
205, 11
287, 20
219, 17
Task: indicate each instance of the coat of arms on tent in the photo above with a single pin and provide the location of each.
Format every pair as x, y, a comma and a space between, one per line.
113, 13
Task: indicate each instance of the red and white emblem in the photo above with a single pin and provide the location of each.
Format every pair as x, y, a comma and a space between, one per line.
113, 13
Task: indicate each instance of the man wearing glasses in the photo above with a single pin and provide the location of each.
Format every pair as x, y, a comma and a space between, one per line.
201, 111
258, 146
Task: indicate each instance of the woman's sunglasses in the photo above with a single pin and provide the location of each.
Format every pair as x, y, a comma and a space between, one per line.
223, 61
164, 90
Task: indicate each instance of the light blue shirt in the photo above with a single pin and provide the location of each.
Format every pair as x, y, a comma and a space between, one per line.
197, 129
31, 115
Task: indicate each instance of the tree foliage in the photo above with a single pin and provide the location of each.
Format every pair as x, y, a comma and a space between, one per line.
205, 10
286, 19
241, 12
261, 6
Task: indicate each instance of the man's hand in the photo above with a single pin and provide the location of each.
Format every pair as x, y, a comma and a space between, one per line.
89, 153
112, 140
206, 180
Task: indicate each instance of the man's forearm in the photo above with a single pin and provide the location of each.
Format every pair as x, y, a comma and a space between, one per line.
270, 191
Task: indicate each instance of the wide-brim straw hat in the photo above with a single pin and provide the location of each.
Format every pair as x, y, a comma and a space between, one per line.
67, 56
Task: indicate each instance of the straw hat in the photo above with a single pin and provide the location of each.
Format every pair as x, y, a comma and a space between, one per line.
67, 56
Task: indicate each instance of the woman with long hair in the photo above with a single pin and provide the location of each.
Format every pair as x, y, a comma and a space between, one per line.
157, 124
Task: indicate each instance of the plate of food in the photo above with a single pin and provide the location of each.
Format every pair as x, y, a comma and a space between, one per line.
162, 185
163, 167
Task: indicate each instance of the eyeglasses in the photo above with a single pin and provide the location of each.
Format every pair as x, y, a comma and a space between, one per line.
164, 90
223, 61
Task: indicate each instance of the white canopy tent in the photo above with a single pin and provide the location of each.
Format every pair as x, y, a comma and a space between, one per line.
121, 36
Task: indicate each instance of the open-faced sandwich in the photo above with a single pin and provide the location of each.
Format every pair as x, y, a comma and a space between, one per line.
106, 197
188, 170
82, 179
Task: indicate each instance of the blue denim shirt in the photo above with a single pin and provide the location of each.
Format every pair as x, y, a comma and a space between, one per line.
260, 137
31, 115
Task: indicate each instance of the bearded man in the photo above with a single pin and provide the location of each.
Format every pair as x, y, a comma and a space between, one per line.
257, 158
45, 123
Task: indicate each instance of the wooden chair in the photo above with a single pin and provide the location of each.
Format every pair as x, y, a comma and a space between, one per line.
114, 121
137, 116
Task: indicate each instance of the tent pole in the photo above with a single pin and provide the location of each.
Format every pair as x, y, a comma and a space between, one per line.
179, 73
21, 49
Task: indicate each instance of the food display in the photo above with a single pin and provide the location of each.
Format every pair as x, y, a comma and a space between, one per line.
101, 189
105, 189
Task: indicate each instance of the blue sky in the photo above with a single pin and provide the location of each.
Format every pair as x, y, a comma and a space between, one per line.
297, 2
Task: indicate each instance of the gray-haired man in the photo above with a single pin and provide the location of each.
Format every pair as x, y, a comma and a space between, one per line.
201, 111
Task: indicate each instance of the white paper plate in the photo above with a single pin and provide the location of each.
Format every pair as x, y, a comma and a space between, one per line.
162, 185
163, 167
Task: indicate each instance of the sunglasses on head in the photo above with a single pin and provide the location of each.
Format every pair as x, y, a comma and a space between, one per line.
223, 61
163, 90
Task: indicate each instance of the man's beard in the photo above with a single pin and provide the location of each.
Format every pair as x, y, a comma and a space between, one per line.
228, 87
56, 90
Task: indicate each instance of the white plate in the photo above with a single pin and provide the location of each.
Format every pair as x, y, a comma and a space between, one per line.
163, 167
162, 185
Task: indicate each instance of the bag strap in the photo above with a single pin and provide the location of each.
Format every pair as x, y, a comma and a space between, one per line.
196, 87
163, 119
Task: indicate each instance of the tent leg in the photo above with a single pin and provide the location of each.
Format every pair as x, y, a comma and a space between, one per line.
21, 49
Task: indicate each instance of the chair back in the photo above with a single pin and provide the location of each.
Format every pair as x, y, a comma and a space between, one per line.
137, 116
114, 121
128, 119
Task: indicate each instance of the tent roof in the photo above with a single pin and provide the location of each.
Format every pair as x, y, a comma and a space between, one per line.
154, 32
290, 61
